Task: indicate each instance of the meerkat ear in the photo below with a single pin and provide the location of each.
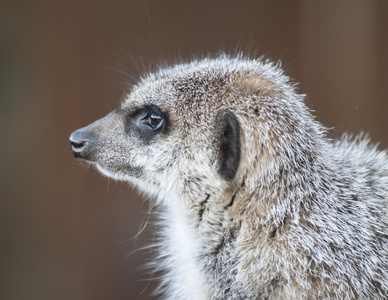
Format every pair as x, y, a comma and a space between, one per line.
229, 146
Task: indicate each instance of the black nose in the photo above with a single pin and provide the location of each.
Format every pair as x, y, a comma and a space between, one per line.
81, 141
77, 144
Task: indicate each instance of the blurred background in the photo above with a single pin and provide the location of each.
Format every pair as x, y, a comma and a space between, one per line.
65, 231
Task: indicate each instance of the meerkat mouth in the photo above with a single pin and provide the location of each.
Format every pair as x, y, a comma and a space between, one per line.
129, 174
109, 173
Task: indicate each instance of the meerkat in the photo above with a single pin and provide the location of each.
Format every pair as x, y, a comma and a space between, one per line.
257, 202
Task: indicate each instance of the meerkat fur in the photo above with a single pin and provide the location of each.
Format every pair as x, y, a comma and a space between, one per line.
256, 201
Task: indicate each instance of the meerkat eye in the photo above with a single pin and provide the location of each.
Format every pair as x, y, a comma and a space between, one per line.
154, 121
150, 121
153, 118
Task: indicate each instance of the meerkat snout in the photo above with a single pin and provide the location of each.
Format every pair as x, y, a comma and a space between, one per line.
85, 141
256, 201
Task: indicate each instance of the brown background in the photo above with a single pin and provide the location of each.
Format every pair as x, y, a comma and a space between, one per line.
65, 231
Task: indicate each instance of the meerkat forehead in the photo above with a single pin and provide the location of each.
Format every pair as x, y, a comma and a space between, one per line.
209, 82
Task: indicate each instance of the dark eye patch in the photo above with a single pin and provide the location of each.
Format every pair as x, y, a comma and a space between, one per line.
148, 121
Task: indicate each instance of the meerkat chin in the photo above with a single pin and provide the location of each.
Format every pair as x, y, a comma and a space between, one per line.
257, 202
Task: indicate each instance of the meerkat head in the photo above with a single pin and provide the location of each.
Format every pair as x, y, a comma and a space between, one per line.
191, 130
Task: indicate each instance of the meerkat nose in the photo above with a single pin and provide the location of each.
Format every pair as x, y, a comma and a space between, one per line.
80, 141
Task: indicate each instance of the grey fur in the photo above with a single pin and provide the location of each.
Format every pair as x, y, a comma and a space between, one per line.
303, 217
